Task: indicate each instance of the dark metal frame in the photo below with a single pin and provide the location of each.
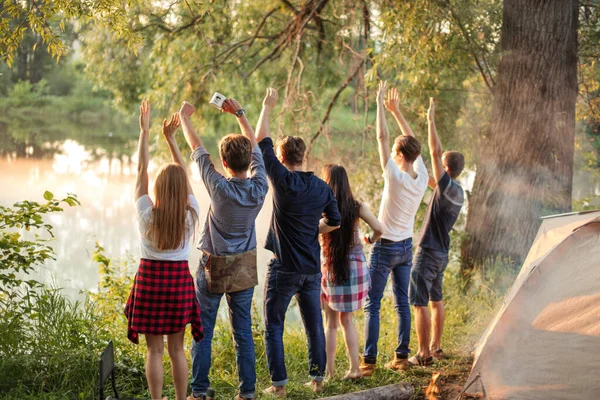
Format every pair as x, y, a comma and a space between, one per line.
107, 368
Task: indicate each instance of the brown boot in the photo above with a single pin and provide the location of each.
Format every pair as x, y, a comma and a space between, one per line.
398, 363
316, 386
367, 369
277, 391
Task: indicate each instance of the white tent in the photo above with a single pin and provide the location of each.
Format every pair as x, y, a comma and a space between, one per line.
545, 341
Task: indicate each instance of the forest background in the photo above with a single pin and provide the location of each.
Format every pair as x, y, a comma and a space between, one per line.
75, 70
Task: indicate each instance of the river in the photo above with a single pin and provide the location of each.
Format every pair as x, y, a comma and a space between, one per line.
106, 215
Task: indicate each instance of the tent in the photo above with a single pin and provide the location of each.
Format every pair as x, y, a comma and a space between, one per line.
544, 343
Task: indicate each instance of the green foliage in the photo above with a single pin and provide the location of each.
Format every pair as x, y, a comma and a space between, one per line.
51, 348
21, 253
47, 21
35, 118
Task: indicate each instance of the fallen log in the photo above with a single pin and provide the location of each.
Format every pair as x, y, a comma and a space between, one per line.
398, 391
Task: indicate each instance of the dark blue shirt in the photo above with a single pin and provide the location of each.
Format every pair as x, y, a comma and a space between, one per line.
299, 201
441, 214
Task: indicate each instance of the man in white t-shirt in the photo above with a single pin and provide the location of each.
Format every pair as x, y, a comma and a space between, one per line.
405, 178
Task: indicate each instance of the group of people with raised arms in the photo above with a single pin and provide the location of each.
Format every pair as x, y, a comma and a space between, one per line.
317, 250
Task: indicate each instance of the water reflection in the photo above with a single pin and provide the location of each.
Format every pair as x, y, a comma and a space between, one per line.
105, 188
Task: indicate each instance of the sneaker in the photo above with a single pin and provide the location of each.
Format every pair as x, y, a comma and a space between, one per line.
420, 361
367, 369
398, 363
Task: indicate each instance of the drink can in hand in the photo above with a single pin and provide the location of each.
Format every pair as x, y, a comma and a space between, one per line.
217, 100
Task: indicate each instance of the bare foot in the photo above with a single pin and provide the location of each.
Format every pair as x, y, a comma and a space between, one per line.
353, 375
438, 353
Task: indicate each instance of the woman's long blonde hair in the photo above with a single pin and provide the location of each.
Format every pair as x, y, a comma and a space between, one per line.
169, 225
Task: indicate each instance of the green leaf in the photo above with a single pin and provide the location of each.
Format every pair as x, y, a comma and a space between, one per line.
48, 195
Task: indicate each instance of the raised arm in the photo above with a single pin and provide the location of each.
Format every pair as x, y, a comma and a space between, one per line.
141, 183
168, 131
231, 106
392, 104
191, 137
383, 135
366, 215
435, 145
263, 125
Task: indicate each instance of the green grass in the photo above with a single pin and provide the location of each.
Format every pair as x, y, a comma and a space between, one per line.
54, 354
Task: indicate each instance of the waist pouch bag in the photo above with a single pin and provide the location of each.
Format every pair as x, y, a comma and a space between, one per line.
231, 273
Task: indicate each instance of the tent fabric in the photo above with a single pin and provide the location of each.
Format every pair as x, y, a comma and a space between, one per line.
544, 343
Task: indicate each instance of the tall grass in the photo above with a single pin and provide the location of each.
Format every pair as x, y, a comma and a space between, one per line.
53, 352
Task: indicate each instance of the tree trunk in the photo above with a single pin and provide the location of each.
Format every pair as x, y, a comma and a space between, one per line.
399, 391
526, 163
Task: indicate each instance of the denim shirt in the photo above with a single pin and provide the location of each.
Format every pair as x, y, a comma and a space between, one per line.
234, 205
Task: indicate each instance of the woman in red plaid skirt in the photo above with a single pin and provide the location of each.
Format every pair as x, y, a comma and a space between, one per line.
162, 300
345, 282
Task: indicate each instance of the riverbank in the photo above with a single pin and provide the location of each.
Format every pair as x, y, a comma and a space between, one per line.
53, 354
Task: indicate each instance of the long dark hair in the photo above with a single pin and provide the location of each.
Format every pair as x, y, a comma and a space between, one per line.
336, 244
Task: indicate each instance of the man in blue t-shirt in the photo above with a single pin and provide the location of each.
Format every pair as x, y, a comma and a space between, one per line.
431, 256
300, 200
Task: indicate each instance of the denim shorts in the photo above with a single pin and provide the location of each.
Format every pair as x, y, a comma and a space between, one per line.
426, 276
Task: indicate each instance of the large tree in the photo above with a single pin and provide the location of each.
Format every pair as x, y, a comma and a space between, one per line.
526, 167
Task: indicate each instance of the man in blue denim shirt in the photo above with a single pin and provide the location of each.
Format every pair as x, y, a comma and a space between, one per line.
299, 201
229, 229
405, 181
432, 253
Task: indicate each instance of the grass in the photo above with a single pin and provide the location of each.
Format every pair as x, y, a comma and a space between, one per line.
53, 352
61, 343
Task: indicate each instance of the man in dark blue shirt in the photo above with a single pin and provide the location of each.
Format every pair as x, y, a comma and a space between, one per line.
303, 207
431, 256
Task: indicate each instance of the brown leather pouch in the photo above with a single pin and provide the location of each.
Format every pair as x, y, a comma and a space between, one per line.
231, 273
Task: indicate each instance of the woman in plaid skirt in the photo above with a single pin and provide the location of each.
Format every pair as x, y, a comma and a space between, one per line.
345, 281
162, 300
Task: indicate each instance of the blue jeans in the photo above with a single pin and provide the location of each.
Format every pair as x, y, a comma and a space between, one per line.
386, 258
240, 305
280, 286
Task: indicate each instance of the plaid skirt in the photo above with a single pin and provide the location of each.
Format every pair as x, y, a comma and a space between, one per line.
162, 300
349, 296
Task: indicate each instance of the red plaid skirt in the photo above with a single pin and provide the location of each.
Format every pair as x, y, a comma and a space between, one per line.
349, 296
162, 300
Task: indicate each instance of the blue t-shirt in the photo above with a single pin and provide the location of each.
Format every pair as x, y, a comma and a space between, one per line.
441, 214
299, 201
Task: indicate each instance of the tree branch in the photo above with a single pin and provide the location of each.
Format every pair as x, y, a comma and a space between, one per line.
331, 104
489, 81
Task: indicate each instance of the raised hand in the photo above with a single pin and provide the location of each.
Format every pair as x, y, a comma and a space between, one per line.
431, 111
186, 109
231, 106
270, 98
168, 129
381, 93
145, 116
392, 104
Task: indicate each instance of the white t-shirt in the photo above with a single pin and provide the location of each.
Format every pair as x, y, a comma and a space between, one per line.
401, 198
144, 207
